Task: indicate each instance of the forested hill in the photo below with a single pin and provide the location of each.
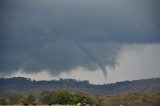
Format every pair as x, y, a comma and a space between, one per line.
28, 86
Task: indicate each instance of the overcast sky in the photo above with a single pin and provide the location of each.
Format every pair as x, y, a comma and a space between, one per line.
97, 40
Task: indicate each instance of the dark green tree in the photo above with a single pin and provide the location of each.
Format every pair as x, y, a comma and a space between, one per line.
48, 97
83, 97
64, 97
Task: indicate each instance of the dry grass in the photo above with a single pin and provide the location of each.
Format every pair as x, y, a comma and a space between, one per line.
38, 105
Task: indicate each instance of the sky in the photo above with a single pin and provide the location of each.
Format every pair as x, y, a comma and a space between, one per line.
102, 41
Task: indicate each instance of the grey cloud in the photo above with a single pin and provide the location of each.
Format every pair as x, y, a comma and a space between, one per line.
61, 35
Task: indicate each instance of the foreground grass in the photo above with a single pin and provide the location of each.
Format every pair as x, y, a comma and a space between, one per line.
38, 105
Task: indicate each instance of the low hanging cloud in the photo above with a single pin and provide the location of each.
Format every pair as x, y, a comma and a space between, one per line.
62, 35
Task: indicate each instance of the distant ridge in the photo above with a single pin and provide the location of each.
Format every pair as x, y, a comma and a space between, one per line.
27, 86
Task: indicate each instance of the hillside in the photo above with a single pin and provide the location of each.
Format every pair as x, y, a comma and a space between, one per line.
130, 99
27, 86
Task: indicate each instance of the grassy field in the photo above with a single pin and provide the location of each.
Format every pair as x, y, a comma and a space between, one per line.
38, 105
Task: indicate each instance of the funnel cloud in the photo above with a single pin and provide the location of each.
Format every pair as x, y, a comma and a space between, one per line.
62, 35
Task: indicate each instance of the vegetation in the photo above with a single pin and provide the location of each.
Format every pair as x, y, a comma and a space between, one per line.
27, 86
131, 99
49, 97
127, 93
64, 97
14, 99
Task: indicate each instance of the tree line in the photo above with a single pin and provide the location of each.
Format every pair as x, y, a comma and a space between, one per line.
48, 97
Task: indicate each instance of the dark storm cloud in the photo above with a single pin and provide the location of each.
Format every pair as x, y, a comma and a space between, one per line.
61, 35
